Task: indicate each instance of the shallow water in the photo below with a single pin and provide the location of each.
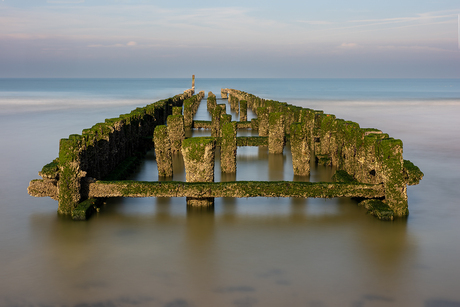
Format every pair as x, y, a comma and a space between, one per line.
245, 252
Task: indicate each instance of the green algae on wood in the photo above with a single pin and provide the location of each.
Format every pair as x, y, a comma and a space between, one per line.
163, 151
215, 125
176, 132
70, 174
300, 150
199, 155
243, 110
50, 170
252, 141
234, 189
262, 116
378, 208
276, 133
412, 173
228, 148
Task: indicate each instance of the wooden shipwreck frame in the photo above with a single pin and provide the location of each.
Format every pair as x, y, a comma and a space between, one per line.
92, 165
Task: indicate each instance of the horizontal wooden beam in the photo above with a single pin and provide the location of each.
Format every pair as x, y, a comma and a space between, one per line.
233, 189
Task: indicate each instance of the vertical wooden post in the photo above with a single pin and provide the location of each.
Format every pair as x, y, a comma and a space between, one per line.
276, 133
163, 151
390, 155
300, 150
262, 116
224, 118
243, 110
70, 174
176, 132
215, 124
199, 155
228, 148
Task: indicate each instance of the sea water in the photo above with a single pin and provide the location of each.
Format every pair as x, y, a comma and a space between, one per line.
245, 252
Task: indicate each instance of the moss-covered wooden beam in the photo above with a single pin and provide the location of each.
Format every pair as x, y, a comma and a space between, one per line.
413, 174
202, 124
251, 141
206, 124
233, 189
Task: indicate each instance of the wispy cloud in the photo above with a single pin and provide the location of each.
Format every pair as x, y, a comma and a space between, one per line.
348, 45
315, 22
418, 19
65, 1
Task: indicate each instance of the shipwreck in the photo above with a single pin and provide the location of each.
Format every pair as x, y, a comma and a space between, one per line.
92, 165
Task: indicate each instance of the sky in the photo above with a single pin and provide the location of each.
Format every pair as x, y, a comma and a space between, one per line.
214, 38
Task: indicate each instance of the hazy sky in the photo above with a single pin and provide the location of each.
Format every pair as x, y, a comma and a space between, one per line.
302, 38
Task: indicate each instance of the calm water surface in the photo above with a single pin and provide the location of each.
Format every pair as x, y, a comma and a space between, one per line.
245, 252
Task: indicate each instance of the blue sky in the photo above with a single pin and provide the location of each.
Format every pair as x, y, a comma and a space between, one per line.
313, 39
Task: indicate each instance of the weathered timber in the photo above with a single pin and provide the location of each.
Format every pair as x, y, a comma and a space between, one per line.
252, 141
255, 124
202, 124
262, 116
412, 173
70, 174
211, 102
176, 132
243, 125
43, 188
363, 156
234, 189
243, 110
224, 118
378, 208
188, 114
300, 150
234, 104
223, 108
215, 125
228, 148
199, 155
276, 133
223, 93
177, 111
163, 151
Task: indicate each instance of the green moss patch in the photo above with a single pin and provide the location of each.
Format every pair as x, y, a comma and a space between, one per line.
50, 170
378, 208
195, 147
343, 176
85, 209
413, 173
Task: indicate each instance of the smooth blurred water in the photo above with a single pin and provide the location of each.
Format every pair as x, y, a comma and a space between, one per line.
245, 252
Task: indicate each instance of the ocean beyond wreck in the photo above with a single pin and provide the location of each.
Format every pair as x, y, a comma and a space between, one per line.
92, 165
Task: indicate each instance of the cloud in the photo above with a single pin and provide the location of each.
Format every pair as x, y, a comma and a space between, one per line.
418, 19
117, 45
348, 45
315, 22
65, 1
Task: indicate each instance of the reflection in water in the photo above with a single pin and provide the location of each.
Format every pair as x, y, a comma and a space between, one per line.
226, 177
170, 252
178, 167
276, 167
263, 152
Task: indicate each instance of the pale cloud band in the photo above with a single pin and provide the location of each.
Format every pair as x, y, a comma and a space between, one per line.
65, 1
